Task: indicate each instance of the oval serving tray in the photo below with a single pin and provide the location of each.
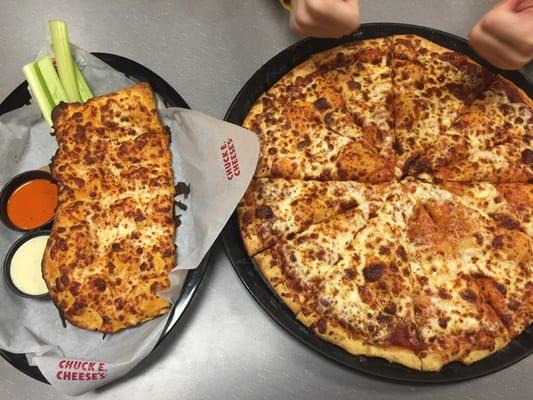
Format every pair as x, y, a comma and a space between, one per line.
20, 97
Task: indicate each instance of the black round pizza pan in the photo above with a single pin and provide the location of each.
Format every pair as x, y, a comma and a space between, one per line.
20, 96
262, 80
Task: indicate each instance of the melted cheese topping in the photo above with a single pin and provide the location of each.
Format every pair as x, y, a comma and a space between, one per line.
291, 144
369, 291
274, 209
364, 77
431, 87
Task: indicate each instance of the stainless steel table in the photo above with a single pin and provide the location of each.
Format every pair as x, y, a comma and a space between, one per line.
226, 347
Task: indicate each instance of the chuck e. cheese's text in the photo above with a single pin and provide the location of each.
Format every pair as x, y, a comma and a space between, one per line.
71, 370
230, 160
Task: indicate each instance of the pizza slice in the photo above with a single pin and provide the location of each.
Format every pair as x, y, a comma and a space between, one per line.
455, 321
491, 140
124, 246
296, 266
362, 73
294, 143
508, 204
101, 154
275, 209
145, 178
307, 83
363, 304
502, 163
504, 272
432, 86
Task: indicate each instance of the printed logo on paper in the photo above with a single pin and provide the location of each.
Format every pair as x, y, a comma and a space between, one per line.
230, 159
73, 370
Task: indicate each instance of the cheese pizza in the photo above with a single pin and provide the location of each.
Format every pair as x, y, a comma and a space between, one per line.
391, 209
111, 247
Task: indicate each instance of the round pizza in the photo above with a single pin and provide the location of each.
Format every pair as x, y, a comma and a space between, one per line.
392, 205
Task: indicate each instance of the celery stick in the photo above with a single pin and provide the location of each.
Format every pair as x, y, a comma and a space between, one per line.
64, 63
85, 91
51, 80
39, 91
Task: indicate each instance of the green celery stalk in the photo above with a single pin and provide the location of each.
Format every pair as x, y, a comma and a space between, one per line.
64, 62
85, 91
55, 88
39, 91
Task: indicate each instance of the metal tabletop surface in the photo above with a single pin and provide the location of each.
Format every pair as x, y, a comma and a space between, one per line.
226, 346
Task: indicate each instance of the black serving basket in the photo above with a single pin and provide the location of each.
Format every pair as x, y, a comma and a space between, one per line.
262, 80
20, 97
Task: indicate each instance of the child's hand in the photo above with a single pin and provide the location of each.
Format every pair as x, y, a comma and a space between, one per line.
504, 36
324, 18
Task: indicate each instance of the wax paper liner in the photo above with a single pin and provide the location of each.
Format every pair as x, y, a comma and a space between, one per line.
217, 159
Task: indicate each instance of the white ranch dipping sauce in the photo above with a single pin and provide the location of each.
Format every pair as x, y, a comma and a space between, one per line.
25, 267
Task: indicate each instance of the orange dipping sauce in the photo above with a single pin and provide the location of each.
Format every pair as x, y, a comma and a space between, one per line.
32, 204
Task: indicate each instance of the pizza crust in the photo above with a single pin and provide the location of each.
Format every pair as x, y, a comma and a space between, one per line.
477, 355
335, 334
434, 361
